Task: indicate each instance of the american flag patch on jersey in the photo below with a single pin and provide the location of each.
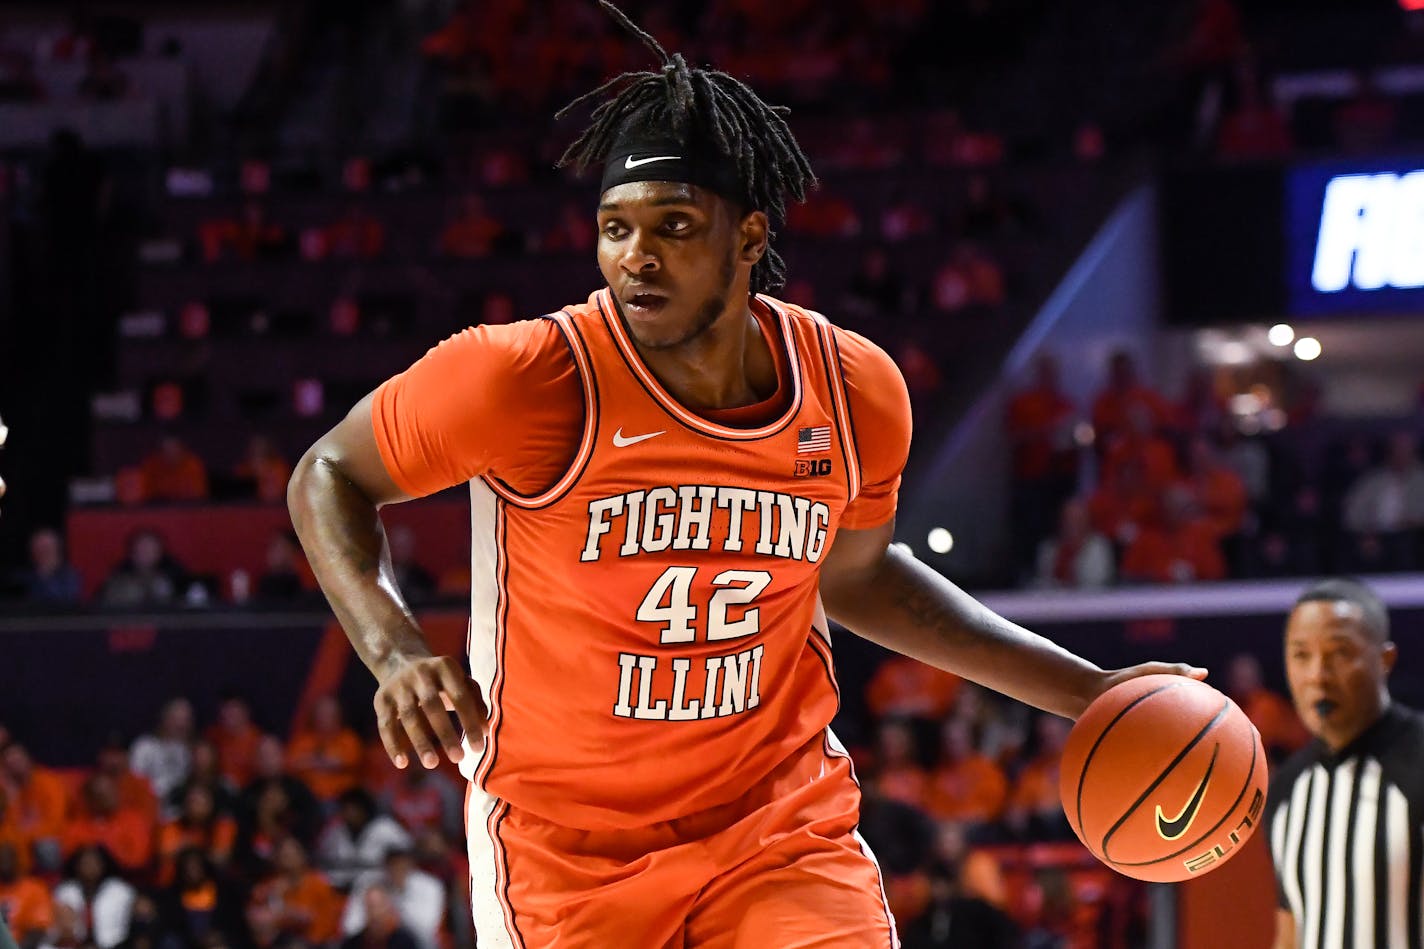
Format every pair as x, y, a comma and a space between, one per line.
812, 440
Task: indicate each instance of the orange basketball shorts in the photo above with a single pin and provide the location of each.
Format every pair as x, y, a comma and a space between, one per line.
783, 867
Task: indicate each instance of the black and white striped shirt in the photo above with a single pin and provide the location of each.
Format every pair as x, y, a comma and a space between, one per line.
1347, 837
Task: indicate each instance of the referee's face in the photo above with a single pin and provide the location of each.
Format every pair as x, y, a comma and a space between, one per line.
1337, 670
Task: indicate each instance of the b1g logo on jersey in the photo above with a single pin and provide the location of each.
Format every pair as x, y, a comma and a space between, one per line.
813, 467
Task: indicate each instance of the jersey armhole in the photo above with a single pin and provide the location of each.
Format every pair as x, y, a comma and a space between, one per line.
579, 349
831, 356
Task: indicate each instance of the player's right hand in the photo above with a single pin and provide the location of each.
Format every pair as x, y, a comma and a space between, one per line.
413, 704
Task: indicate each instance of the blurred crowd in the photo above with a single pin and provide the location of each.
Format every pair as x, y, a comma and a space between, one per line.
1141, 488
228, 836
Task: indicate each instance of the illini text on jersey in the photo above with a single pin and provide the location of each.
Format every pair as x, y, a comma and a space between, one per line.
700, 518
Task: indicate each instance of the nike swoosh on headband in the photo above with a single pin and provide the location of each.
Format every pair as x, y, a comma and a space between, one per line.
630, 162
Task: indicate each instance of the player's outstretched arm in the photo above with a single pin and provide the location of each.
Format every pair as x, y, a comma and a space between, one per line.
887, 596
334, 496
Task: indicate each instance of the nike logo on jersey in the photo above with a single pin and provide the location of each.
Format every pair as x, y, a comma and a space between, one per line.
630, 162
1174, 828
622, 441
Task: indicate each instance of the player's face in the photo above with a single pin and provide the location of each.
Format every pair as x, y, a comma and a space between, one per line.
1337, 670
676, 257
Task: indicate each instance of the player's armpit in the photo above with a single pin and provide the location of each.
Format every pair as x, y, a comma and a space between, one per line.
1285, 930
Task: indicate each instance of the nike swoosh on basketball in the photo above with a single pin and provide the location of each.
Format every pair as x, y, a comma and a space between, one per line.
630, 162
1174, 828
622, 441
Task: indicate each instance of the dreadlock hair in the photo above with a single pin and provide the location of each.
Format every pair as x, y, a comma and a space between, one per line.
706, 105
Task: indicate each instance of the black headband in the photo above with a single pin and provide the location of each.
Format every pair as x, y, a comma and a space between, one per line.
667, 160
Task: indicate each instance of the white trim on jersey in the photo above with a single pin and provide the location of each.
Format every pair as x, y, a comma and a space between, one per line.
692, 420
493, 919
484, 607
834, 747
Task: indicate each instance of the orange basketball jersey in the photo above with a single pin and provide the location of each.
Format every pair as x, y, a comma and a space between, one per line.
648, 632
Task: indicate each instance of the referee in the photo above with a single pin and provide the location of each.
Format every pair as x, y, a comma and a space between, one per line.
1346, 813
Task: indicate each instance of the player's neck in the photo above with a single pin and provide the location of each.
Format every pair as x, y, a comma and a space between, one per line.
727, 366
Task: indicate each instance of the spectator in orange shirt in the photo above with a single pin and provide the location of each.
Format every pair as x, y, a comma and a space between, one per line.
10, 833
969, 281
1218, 491
198, 825
1110, 408
326, 755
24, 900
126, 833
1201, 407
1123, 507
1139, 442
173, 473
898, 772
1273, 715
134, 790
265, 469
474, 232
573, 232
421, 799
823, 215
1034, 809
356, 234
905, 688
966, 786
1184, 548
1040, 422
296, 898
977, 872
1256, 127
235, 739
39, 800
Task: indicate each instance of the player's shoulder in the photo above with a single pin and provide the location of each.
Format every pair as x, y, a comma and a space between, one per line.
520, 342
864, 365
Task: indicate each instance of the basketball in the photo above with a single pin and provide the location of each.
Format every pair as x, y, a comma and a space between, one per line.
1163, 778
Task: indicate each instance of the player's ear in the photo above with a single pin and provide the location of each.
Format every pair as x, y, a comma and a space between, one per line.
1389, 653
753, 236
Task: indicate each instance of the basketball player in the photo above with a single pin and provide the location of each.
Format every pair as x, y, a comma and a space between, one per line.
667, 481
1346, 814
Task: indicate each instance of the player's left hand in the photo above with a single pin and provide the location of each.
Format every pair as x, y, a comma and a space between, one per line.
1112, 677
